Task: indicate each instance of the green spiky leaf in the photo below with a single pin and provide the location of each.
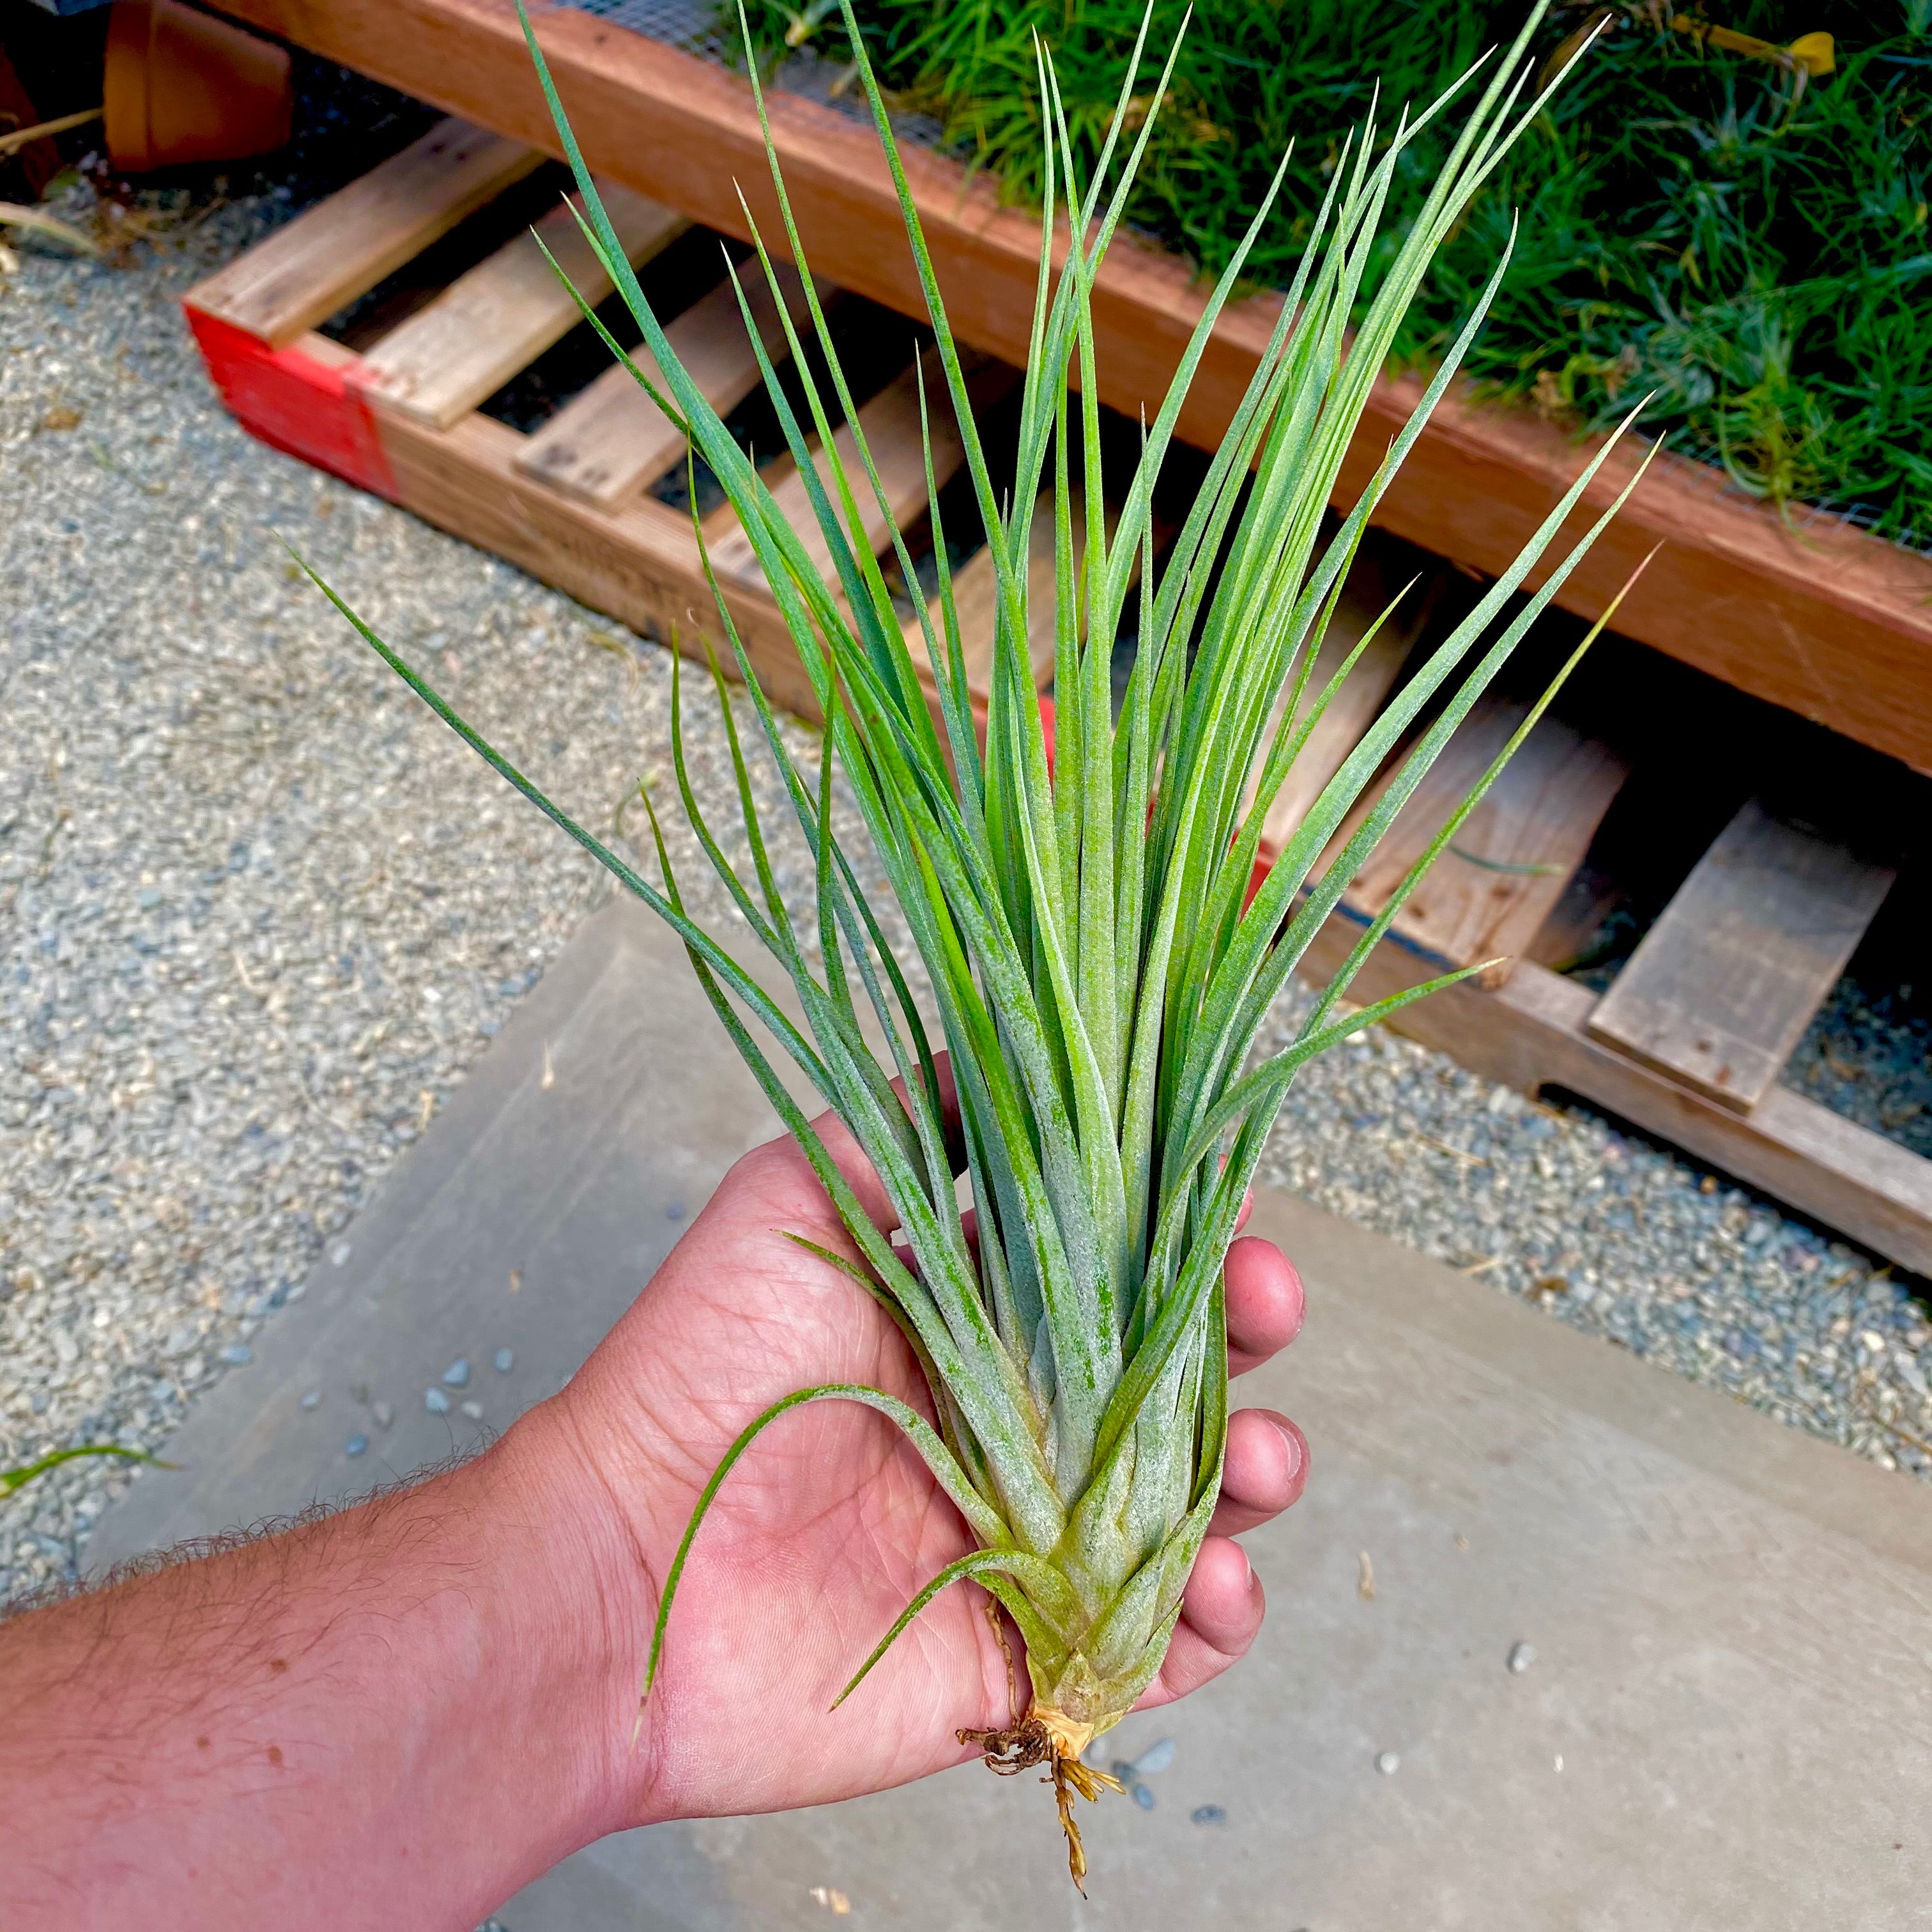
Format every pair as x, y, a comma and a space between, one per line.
1090, 957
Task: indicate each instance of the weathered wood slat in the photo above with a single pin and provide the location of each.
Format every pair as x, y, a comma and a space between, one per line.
975, 592
611, 439
1490, 890
1533, 1034
1721, 989
506, 312
342, 246
1370, 589
891, 423
639, 563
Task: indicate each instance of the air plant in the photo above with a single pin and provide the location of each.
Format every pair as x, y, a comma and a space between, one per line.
1095, 963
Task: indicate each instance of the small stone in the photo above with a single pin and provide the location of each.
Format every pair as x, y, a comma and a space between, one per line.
355, 1445
675, 1212
1143, 1797
312, 1400
436, 1402
474, 1410
338, 1255
1387, 1763
1521, 1657
1208, 1814
505, 1360
383, 1414
457, 1375
236, 1353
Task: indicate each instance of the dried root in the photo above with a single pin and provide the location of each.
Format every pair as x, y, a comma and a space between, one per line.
1047, 1738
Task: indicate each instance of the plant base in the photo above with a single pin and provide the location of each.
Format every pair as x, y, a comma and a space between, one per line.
1049, 1737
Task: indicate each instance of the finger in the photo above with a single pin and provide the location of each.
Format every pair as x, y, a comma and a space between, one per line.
1265, 1303
1220, 1616
1247, 1208
1266, 1471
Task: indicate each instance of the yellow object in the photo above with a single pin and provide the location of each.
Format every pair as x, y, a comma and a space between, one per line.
1813, 52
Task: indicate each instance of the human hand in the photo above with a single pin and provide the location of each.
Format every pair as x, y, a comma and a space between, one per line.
830, 1522
274, 1733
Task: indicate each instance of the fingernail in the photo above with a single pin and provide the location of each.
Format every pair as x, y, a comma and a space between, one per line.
1296, 1451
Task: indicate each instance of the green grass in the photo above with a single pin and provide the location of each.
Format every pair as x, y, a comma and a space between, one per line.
11, 1479
1762, 263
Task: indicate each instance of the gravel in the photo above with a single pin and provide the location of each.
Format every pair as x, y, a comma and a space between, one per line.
1627, 1241
259, 913
259, 910
1867, 1055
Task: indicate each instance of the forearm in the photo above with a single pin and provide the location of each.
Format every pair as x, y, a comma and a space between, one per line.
395, 1717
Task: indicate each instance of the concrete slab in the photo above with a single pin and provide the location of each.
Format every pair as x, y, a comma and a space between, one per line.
1728, 1722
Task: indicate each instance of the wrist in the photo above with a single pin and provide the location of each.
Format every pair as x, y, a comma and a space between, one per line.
576, 1604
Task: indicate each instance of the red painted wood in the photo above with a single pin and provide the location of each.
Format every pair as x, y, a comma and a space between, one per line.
296, 402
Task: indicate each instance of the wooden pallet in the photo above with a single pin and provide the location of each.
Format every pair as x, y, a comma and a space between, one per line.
1688, 1044
1815, 616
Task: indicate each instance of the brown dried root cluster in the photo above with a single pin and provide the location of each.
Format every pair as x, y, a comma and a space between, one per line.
1045, 1737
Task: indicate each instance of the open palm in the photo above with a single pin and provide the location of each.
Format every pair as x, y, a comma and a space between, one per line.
830, 1522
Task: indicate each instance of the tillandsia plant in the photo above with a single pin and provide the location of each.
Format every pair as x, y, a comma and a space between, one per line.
1095, 964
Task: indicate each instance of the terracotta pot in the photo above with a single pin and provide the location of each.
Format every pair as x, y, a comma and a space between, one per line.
183, 86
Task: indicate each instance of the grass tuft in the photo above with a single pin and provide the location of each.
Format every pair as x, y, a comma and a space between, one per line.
1748, 244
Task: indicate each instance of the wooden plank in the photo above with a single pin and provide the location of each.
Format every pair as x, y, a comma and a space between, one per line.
1533, 1034
506, 312
1815, 616
640, 563
1488, 892
976, 595
342, 247
1721, 989
1576, 923
611, 439
891, 422
1369, 588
